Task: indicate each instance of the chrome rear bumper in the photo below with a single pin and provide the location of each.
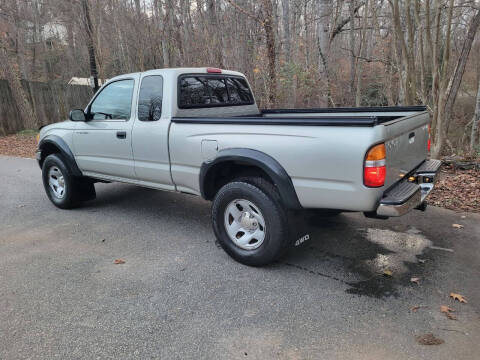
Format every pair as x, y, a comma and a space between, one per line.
410, 193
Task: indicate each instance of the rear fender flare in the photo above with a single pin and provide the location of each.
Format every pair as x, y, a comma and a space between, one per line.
255, 158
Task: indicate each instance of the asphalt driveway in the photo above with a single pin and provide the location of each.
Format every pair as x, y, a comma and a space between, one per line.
179, 296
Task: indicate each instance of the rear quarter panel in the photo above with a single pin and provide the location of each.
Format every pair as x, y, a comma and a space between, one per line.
325, 163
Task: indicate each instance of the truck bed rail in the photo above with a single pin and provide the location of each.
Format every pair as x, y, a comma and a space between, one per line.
294, 121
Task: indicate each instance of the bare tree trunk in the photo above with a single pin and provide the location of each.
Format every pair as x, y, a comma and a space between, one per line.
90, 45
287, 51
286, 29
215, 34
475, 121
323, 50
9, 70
272, 61
405, 51
447, 99
363, 41
353, 60
423, 86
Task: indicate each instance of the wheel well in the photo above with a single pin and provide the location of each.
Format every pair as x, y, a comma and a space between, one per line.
224, 172
48, 149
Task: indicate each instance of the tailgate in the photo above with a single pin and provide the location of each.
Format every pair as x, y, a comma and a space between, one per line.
406, 145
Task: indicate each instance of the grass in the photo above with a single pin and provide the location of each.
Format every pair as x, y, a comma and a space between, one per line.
28, 132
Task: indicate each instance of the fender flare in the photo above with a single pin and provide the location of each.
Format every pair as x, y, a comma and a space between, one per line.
252, 158
64, 149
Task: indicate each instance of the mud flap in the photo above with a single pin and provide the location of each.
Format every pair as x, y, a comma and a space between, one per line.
86, 190
299, 228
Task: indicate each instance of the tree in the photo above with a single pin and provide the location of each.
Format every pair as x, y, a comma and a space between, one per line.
447, 97
475, 121
90, 44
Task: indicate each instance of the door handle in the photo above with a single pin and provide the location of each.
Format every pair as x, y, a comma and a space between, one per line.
121, 134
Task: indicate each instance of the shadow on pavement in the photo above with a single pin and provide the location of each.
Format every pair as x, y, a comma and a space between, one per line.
341, 244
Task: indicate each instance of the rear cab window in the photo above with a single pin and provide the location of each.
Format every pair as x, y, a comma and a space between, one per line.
205, 90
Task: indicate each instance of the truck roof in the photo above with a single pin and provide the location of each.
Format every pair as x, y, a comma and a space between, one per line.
180, 71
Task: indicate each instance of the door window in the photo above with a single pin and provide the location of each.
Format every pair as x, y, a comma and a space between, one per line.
150, 98
114, 102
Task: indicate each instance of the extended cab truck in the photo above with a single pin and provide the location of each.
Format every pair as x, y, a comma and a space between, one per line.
199, 131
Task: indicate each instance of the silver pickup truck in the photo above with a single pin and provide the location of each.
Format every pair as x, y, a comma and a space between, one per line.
199, 131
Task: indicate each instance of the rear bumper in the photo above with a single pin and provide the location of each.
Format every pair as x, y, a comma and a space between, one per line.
410, 193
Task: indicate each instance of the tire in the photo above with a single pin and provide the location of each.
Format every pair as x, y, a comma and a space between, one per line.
63, 189
250, 222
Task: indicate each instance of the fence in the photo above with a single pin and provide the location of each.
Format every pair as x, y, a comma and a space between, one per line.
51, 103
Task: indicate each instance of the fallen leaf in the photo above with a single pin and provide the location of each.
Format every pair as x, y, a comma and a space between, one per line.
421, 261
451, 316
416, 307
429, 339
119, 261
415, 280
457, 226
387, 272
458, 297
445, 309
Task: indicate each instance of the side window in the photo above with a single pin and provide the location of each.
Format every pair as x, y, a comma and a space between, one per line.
114, 102
150, 98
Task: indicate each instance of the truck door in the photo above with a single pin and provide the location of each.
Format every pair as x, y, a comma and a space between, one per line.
150, 135
102, 145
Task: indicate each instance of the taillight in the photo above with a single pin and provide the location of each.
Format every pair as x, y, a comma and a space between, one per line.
214, 70
374, 171
428, 141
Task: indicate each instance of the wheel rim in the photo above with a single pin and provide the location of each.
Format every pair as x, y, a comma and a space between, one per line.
245, 224
56, 181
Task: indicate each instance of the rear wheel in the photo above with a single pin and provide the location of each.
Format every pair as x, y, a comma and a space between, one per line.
250, 222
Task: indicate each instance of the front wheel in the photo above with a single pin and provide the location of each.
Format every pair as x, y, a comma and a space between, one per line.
63, 189
250, 222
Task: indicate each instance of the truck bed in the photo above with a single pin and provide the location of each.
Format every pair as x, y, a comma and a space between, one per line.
322, 150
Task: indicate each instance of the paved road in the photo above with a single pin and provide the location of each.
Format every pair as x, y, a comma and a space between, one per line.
179, 296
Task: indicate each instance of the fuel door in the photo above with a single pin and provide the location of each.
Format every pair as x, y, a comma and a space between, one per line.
209, 149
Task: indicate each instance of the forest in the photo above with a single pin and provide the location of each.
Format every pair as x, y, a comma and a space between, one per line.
295, 53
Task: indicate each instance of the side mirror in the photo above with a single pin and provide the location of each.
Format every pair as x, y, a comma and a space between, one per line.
77, 115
